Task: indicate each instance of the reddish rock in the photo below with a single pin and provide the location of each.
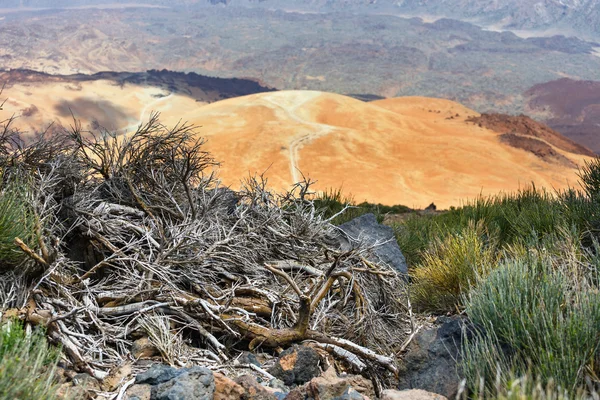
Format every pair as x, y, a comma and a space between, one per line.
295, 394
329, 387
254, 390
227, 389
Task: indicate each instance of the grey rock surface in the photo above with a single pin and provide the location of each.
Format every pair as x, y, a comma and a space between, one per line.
197, 383
367, 230
157, 374
431, 361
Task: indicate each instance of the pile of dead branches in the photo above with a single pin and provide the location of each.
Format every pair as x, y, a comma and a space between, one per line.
137, 237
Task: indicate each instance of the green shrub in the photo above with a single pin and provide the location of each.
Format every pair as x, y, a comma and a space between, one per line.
26, 365
17, 220
450, 267
527, 388
509, 217
589, 176
536, 317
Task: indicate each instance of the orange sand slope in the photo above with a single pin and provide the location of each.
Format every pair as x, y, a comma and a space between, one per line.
410, 151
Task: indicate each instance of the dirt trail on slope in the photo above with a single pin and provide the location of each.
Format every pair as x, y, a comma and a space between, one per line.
143, 114
291, 105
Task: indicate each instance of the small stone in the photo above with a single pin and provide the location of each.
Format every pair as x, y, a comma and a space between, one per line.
414, 394
297, 365
295, 394
196, 383
157, 374
248, 358
68, 391
350, 394
327, 387
143, 348
361, 384
253, 389
227, 389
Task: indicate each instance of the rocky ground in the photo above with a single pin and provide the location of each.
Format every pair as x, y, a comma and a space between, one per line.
301, 372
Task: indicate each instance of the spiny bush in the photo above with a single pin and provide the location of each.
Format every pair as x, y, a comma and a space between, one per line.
450, 267
589, 176
27, 365
535, 317
17, 220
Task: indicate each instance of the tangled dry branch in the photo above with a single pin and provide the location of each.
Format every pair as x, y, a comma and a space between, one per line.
138, 237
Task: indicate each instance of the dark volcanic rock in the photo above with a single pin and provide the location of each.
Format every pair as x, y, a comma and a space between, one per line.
431, 361
158, 374
168, 383
297, 365
366, 229
197, 383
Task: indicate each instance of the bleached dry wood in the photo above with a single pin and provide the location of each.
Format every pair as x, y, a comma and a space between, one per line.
123, 389
163, 239
255, 368
344, 354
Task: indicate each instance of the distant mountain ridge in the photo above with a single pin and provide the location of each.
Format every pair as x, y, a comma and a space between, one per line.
578, 15
581, 17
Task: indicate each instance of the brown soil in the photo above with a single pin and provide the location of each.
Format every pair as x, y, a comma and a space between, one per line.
524, 126
538, 147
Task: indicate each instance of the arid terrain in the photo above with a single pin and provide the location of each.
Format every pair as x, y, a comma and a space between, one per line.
410, 150
579, 17
115, 101
569, 106
421, 150
336, 51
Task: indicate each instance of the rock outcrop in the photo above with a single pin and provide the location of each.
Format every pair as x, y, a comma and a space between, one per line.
431, 361
366, 229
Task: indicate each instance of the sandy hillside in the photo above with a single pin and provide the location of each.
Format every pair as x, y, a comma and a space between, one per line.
39, 104
410, 151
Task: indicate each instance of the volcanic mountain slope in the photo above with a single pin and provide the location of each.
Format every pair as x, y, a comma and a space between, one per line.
524, 125
410, 150
407, 150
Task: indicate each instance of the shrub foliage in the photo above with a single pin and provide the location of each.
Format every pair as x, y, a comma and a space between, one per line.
27, 364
